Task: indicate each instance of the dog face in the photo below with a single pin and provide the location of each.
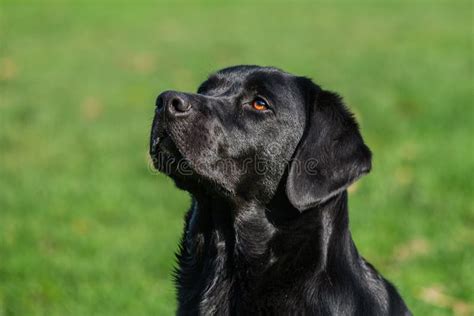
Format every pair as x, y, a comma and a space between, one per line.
249, 128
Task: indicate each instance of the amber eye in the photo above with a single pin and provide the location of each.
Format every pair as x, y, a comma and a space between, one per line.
259, 104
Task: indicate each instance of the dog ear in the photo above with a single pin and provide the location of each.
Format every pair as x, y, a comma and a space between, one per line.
331, 154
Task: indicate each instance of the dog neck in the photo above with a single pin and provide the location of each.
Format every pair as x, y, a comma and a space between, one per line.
261, 239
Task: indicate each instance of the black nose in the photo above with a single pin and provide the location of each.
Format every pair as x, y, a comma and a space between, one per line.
174, 103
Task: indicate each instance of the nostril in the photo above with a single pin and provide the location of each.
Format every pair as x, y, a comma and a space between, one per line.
176, 103
159, 103
179, 104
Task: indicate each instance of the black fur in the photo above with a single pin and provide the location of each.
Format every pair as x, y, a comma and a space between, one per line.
268, 229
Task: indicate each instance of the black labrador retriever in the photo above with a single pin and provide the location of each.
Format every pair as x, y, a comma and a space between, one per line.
267, 157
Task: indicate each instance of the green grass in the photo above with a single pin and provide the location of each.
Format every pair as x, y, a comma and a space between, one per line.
87, 229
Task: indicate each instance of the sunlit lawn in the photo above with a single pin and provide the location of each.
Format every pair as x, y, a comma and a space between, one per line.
86, 228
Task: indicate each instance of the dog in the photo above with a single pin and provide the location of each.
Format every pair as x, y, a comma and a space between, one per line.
267, 157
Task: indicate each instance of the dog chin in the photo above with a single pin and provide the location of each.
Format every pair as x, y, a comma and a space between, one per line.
168, 160
197, 184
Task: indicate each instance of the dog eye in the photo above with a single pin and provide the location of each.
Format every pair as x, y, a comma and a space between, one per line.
259, 104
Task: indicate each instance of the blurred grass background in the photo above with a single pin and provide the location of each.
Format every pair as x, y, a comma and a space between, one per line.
86, 228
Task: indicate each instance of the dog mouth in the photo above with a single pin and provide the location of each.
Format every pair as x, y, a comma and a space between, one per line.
161, 143
163, 150
156, 142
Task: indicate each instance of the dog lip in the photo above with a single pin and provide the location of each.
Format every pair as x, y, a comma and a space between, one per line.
156, 141
163, 144
154, 145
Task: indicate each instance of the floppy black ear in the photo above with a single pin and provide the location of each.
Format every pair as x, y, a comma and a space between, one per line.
331, 154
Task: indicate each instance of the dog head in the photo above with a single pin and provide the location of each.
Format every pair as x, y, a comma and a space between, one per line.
250, 128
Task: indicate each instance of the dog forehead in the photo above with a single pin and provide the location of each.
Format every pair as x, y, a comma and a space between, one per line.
244, 75
234, 80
